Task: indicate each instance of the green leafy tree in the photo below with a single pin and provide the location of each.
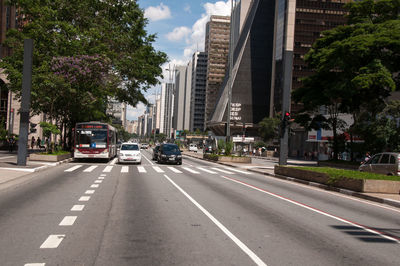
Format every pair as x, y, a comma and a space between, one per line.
355, 66
85, 53
228, 148
50, 130
269, 128
221, 146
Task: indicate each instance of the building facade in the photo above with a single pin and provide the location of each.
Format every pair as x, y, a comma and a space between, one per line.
167, 104
217, 48
198, 95
178, 120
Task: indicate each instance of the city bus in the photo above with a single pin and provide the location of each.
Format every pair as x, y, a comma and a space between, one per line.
95, 140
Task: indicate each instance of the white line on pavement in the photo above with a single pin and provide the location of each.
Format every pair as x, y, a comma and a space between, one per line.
98, 181
108, 169
84, 198
190, 170
103, 175
113, 161
101, 178
173, 169
235, 170
236, 240
94, 186
125, 169
90, 169
141, 169
89, 191
53, 241
34, 264
7, 157
77, 208
73, 168
158, 169
68, 221
206, 170
148, 160
223, 171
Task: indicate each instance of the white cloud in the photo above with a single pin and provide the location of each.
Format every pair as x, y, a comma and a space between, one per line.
187, 9
178, 34
132, 113
154, 13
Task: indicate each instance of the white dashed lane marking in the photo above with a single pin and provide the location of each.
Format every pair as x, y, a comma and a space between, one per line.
98, 181
84, 198
206, 170
53, 241
190, 170
73, 168
89, 191
223, 171
35, 264
235, 170
90, 169
68, 221
174, 170
77, 208
94, 186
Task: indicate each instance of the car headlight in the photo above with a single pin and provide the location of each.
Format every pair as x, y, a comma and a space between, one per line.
179, 156
163, 155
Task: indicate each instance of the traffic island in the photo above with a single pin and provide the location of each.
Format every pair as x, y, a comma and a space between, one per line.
354, 184
226, 159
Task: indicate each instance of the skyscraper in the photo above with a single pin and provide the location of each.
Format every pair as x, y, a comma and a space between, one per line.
216, 48
198, 95
179, 98
167, 103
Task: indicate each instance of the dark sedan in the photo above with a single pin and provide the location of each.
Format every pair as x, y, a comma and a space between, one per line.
155, 152
169, 153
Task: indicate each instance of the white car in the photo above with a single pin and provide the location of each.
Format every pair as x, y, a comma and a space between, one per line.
193, 147
129, 153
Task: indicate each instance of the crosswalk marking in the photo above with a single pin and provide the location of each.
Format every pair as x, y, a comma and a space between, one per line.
141, 169
90, 169
235, 170
73, 168
125, 169
108, 169
174, 170
223, 171
190, 170
206, 170
53, 241
158, 169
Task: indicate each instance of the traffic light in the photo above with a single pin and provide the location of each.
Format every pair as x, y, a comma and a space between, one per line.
33, 128
287, 116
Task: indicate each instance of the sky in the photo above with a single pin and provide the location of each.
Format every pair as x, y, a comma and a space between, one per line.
180, 29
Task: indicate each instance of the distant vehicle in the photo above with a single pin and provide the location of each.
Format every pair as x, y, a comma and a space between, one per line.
193, 147
144, 145
129, 153
386, 163
95, 140
169, 153
155, 152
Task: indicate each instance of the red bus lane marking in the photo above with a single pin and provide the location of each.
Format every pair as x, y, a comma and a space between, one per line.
366, 228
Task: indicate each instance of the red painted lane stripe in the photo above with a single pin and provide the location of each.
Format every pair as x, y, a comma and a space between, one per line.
366, 228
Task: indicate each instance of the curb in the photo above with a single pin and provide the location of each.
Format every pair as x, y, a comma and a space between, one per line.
347, 192
44, 167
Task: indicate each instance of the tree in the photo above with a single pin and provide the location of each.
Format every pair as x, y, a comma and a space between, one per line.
356, 65
85, 53
269, 128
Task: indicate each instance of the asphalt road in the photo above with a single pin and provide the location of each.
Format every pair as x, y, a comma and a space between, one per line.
200, 213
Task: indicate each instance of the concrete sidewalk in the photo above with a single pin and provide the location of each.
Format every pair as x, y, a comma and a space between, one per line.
388, 199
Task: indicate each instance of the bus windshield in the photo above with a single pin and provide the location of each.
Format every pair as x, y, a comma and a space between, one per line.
91, 138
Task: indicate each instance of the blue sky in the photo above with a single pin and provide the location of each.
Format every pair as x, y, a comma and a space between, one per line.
180, 27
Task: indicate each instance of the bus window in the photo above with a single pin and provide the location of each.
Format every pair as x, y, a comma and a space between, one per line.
91, 138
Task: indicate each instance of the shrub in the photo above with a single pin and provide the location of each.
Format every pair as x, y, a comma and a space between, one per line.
228, 148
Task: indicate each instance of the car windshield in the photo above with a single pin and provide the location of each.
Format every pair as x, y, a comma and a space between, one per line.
129, 147
91, 138
171, 148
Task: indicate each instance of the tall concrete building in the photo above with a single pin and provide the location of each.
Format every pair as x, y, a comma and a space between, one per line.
216, 47
198, 95
118, 111
180, 91
167, 105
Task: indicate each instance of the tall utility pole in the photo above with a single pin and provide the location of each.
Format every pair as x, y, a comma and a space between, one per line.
230, 64
25, 102
287, 78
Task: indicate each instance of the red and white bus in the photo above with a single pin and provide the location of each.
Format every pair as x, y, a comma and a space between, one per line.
95, 140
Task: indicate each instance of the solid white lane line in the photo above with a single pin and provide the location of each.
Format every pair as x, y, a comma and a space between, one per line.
173, 169
77, 208
113, 161
221, 170
90, 169
108, 169
158, 169
313, 209
7, 157
190, 170
73, 168
206, 170
125, 169
34, 264
236, 240
68, 221
53, 241
235, 170
89, 191
98, 181
147, 159
94, 186
84, 198
141, 169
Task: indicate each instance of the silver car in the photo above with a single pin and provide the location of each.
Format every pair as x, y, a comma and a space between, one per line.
386, 163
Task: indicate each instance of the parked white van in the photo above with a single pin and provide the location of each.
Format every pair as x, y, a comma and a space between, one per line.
193, 147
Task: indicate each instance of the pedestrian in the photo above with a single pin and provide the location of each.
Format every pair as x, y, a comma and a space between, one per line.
38, 142
254, 151
11, 143
367, 157
33, 141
